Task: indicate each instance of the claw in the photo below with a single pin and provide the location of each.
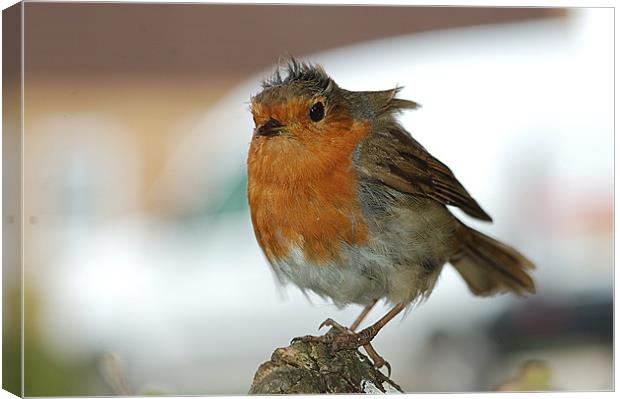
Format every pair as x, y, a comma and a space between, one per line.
377, 360
297, 339
325, 339
331, 323
303, 338
327, 323
387, 366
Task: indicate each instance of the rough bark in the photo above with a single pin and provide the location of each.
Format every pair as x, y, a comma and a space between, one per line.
306, 368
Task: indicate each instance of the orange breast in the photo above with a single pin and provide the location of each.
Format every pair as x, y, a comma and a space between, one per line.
304, 194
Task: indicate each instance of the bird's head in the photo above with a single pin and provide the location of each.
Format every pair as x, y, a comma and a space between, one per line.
301, 113
301, 101
304, 105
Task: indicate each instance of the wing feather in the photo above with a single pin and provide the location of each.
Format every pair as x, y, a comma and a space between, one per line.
393, 157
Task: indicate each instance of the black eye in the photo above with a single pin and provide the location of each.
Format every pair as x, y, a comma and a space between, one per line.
317, 112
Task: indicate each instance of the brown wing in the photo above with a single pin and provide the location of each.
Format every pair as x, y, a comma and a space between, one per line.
393, 157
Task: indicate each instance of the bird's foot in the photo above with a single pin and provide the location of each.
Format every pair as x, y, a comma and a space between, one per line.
344, 338
329, 336
353, 340
335, 341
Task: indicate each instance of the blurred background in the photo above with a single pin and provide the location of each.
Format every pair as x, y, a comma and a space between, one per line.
142, 273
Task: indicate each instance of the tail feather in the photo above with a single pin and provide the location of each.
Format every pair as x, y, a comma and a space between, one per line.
490, 267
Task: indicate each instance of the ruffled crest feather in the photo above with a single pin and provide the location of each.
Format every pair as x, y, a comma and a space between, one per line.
293, 71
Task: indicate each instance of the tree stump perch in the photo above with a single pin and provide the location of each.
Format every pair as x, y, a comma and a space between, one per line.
307, 368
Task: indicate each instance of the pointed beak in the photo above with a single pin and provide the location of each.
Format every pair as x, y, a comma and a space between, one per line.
270, 128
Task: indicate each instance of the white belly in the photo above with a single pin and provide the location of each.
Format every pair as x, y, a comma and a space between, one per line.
397, 264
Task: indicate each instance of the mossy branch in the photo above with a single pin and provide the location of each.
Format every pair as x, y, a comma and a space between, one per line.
306, 368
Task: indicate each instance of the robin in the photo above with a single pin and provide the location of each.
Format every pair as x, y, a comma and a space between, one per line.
347, 204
